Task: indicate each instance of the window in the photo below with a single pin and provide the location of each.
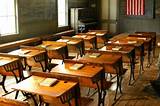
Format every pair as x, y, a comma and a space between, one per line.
62, 13
8, 17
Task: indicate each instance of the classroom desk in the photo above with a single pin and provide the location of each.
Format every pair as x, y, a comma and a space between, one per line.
127, 53
147, 45
112, 64
7, 69
55, 50
138, 44
61, 90
100, 34
32, 57
73, 44
149, 41
88, 40
91, 76
150, 35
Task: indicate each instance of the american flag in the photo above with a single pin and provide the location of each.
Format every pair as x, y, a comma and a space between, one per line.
135, 7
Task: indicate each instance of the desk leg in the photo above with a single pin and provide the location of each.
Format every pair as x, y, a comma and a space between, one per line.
154, 49
67, 97
24, 63
119, 81
77, 95
80, 51
30, 68
141, 66
117, 87
149, 54
35, 102
94, 45
101, 94
141, 60
2, 83
132, 67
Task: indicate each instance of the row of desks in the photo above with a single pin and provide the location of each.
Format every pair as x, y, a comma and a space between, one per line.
88, 75
106, 60
29, 55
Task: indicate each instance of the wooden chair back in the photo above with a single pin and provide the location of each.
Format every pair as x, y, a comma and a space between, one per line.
30, 47
58, 76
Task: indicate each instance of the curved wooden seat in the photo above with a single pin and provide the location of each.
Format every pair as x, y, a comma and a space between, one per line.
12, 102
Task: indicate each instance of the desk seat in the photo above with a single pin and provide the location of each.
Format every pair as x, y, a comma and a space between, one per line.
12, 102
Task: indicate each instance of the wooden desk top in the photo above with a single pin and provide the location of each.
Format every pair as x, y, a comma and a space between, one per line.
32, 85
97, 33
26, 52
123, 41
129, 37
117, 49
119, 36
147, 34
84, 36
139, 38
5, 60
52, 45
88, 71
104, 58
70, 41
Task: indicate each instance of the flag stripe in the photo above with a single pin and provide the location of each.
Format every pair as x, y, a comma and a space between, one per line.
127, 7
135, 7
130, 7
142, 7
133, 10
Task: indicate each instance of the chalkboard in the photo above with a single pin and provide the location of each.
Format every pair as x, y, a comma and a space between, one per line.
36, 10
